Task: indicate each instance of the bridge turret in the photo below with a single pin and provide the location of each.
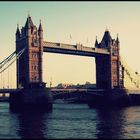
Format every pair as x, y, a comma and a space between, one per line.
32, 40
106, 40
108, 67
40, 34
96, 43
40, 30
17, 32
28, 26
117, 41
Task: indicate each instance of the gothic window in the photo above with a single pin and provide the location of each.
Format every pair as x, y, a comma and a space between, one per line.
115, 51
32, 67
34, 42
34, 32
114, 72
113, 62
34, 55
35, 67
115, 82
35, 77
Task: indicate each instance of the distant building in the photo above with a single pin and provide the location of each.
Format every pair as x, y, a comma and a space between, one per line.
90, 85
70, 85
86, 85
65, 85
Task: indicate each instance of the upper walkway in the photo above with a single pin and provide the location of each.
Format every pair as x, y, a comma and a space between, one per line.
77, 49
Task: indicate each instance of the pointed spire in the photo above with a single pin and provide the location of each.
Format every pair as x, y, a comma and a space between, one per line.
96, 42
117, 39
107, 36
18, 31
29, 22
106, 40
40, 26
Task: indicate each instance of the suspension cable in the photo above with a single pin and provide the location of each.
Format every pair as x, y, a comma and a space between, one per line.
18, 55
131, 74
8, 66
5, 64
1, 80
13, 55
8, 77
7, 59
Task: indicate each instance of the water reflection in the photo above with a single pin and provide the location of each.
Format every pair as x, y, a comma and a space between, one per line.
72, 121
110, 123
31, 125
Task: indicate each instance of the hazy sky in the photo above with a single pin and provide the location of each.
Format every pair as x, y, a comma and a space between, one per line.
83, 21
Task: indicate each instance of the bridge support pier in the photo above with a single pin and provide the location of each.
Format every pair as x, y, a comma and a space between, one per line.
111, 98
31, 99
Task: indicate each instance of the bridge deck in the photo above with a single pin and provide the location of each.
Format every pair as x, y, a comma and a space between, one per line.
73, 49
9, 90
54, 90
71, 90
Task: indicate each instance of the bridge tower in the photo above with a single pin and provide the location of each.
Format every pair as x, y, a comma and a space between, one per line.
33, 95
29, 65
108, 71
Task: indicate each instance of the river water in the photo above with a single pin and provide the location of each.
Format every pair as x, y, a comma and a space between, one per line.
71, 121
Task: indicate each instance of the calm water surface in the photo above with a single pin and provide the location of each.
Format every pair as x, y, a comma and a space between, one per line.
71, 121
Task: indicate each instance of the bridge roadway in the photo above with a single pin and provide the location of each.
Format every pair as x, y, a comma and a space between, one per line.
76, 90
55, 91
82, 95
11, 91
77, 49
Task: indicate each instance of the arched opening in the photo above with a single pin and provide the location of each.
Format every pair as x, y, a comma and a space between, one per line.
68, 69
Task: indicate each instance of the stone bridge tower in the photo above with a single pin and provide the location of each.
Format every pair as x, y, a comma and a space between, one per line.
34, 95
108, 67
29, 65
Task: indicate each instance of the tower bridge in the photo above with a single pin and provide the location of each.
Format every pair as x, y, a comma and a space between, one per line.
30, 46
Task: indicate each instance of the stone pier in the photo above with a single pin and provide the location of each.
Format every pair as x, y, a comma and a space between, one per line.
31, 99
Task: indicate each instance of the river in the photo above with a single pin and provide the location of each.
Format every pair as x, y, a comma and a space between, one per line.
71, 121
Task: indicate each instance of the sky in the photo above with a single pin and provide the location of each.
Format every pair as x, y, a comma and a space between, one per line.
81, 20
